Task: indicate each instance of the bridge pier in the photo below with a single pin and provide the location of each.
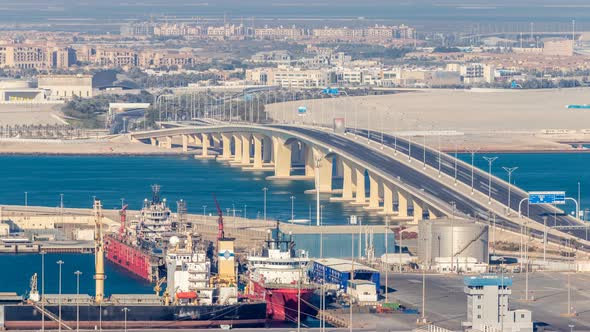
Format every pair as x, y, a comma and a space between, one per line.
153, 141
165, 142
282, 154
360, 197
237, 156
431, 214
197, 140
267, 149
205, 147
309, 161
325, 175
418, 211
402, 204
373, 192
185, 139
245, 149
226, 147
388, 191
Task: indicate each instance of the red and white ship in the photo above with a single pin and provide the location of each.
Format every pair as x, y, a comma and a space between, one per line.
139, 247
278, 275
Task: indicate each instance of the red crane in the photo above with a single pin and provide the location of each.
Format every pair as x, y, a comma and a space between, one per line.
220, 232
123, 214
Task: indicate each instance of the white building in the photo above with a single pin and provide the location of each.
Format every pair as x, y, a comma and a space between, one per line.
488, 306
459, 265
66, 87
362, 291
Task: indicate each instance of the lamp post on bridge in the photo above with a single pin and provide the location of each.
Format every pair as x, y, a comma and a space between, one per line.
265, 189
472, 151
490, 160
509, 170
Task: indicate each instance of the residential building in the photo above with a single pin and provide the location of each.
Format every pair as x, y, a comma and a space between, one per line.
279, 33
116, 57
558, 47
488, 306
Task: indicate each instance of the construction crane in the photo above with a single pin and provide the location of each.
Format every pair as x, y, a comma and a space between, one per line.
220, 232
123, 216
158, 286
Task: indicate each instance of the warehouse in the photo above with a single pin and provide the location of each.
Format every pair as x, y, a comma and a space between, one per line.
338, 271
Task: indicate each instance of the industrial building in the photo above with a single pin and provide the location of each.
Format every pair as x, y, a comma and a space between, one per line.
488, 306
66, 87
339, 271
455, 240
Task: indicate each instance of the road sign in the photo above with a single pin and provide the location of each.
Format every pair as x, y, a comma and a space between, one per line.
547, 197
353, 220
331, 91
302, 110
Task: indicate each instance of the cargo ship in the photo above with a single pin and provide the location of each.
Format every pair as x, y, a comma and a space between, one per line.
138, 247
215, 302
278, 275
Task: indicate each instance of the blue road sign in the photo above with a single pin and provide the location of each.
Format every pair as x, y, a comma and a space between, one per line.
331, 91
547, 197
302, 110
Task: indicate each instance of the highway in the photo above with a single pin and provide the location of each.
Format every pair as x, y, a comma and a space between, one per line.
480, 182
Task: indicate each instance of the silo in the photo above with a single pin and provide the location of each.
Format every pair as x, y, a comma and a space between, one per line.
452, 238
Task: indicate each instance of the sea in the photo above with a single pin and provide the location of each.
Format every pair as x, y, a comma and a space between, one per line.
112, 178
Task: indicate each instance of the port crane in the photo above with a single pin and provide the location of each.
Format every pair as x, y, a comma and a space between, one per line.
220, 231
158, 286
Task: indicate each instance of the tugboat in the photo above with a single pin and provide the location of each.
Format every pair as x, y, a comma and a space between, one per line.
278, 275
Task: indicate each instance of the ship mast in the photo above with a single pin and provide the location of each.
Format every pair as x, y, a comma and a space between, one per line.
99, 275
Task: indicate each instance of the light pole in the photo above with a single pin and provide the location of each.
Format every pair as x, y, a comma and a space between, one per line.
77, 273
265, 189
509, 170
204, 210
455, 177
292, 208
125, 310
472, 151
26, 199
490, 160
43, 290
60, 263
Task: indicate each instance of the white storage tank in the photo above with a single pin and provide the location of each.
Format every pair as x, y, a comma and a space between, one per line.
452, 238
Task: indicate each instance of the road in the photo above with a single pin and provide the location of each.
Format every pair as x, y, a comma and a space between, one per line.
499, 190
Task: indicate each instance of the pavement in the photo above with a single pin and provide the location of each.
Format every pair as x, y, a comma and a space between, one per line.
446, 303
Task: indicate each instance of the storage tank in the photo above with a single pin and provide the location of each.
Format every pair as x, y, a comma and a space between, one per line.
452, 238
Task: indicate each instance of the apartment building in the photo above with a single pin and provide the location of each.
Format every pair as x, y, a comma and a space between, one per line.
279, 33
115, 57
175, 30
22, 56
291, 77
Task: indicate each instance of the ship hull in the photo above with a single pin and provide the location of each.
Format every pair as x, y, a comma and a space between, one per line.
282, 303
129, 258
139, 316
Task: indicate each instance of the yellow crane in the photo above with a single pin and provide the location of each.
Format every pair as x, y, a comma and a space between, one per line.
158, 286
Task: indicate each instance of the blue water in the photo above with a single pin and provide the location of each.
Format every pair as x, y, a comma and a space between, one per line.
80, 178
543, 172
18, 269
111, 178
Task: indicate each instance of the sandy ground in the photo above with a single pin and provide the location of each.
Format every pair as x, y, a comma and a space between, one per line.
30, 114
490, 119
119, 145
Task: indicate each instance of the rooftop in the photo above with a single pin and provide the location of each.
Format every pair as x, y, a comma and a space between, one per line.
343, 265
487, 280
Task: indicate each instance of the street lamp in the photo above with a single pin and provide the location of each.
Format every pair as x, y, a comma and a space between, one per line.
509, 170
472, 152
204, 210
78, 273
490, 160
265, 189
125, 310
60, 263
43, 253
292, 208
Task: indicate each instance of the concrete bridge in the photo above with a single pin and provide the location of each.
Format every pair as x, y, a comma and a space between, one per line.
401, 186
